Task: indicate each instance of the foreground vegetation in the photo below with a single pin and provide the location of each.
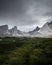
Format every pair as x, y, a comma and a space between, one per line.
25, 51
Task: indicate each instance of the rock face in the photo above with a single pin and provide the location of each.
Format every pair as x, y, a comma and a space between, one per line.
35, 30
3, 29
46, 29
13, 31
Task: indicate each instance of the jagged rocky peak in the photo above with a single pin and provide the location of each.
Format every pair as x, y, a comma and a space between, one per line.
13, 31
3, 28
15, 27
46, 29
37, 28
48, 24
34, 31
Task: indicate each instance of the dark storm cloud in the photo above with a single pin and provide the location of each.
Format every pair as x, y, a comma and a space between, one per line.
25, 12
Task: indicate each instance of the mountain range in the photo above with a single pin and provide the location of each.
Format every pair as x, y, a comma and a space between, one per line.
44, 31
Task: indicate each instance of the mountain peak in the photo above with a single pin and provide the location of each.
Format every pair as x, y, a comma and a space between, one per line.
4, 26
37, 28
15, 26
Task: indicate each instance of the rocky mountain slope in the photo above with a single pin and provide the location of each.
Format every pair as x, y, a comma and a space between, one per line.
44, 31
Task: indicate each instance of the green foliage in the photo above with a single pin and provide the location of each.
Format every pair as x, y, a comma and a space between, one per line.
25, 51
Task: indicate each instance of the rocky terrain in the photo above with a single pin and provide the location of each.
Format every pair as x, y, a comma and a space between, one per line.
44, 31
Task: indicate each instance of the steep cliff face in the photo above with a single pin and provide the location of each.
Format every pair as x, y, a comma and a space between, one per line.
3, 29
35, 30
46, 29
13, 31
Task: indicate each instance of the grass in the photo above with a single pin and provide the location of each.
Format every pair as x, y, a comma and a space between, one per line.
25, 51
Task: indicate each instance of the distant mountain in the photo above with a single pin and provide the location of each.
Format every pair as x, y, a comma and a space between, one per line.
35, 30
46, 29
3, 29
15, 32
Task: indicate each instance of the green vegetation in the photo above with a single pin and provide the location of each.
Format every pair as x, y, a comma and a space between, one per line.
25, 51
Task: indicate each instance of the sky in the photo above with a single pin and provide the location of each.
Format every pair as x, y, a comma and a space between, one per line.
25, 14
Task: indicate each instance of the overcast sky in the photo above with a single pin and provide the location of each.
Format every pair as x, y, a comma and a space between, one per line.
25, 14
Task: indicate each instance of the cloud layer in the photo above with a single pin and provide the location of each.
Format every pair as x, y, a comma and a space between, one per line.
25, 14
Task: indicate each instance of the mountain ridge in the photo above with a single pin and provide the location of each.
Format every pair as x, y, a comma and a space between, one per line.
44, 31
